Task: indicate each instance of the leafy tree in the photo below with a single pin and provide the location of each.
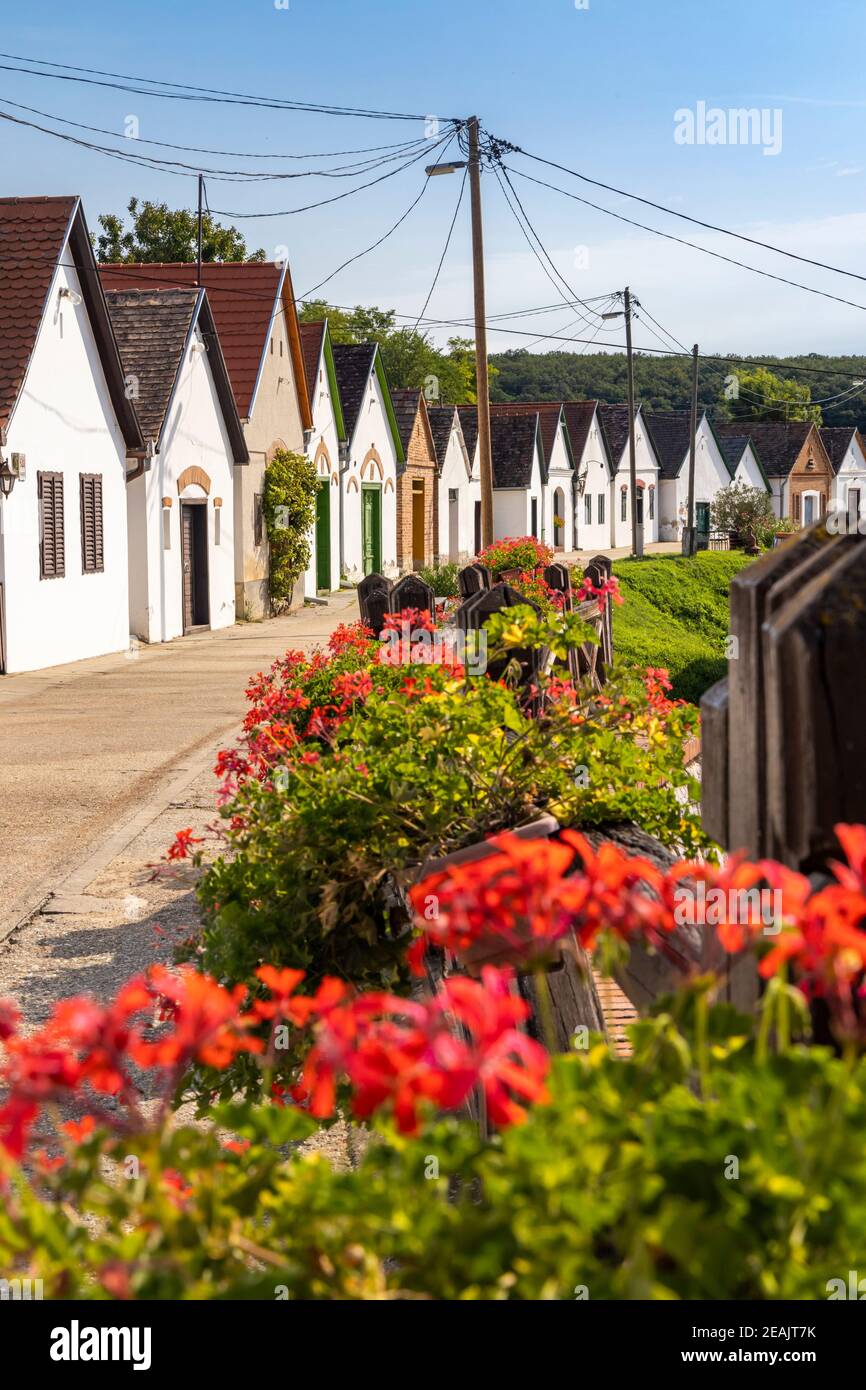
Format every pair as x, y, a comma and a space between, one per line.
410, 358
758, 394
663, 382
746, 510
160, 233
289, 506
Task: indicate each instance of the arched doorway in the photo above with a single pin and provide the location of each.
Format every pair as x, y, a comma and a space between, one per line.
559, 519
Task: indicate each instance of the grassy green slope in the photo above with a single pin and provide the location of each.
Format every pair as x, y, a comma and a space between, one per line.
676, 615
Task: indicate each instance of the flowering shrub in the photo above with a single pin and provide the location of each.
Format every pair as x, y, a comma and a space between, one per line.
530, 557
517, 552
644, 1178
529, 896
421, 767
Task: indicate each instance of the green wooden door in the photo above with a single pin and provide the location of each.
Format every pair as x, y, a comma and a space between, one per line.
371, 527
323, 535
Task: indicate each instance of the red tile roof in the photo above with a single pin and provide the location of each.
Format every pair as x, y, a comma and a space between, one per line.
32, 235
35, 233
312, 336
244, 296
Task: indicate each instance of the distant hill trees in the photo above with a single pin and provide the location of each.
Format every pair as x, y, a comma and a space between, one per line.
664, 383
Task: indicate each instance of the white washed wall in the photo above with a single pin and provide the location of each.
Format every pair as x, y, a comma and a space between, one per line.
64, 423
594, 535
748, 471
454, 474
711, 475
852, 474
371, 431
195, 436
560, 477
325, 432
647, 472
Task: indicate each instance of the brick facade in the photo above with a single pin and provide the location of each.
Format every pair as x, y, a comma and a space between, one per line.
418, 473
812, 472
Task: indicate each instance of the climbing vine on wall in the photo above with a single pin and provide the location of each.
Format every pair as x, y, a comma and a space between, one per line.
289, 505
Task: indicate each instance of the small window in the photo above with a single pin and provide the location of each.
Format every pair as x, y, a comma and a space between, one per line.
453, 494
652, 495
272, 347
281, 347
90, 489
623, 505
797, 507
52, 546
587, 509
601, 509
258, 519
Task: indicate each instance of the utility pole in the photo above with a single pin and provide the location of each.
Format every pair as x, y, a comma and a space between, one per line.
636, 536
200, 200
689, 537
482, 384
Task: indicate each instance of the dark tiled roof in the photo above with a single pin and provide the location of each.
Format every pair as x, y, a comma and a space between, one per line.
549, 414
670, 431
243, 295
836, 439
353, 363
778, 442
151, 329
733, 447
512, 444
578, 419
468, 416
32, 235
312, 337
614, 419
443, 419
405, 400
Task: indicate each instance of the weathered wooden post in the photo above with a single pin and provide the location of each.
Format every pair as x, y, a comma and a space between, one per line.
784, 735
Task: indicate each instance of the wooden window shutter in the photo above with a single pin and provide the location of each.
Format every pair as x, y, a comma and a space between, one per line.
92, 557
52, 547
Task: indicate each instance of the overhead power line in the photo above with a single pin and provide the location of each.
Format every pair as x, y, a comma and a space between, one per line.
184, 170
391, 230
203, 149
184, 91
685, 217
681, 241
529, 232
358, 188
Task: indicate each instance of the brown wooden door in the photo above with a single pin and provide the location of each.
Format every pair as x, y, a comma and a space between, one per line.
187, 567
419, 555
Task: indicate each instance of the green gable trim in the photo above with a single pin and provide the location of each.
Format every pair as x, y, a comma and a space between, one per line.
328, 354
389, 406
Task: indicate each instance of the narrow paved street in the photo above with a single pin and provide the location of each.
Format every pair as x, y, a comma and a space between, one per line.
91, 754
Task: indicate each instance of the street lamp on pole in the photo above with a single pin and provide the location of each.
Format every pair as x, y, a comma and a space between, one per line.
482, 381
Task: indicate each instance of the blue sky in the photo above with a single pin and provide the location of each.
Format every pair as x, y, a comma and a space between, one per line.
595, 88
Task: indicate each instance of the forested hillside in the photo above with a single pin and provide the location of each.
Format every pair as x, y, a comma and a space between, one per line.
664, 382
